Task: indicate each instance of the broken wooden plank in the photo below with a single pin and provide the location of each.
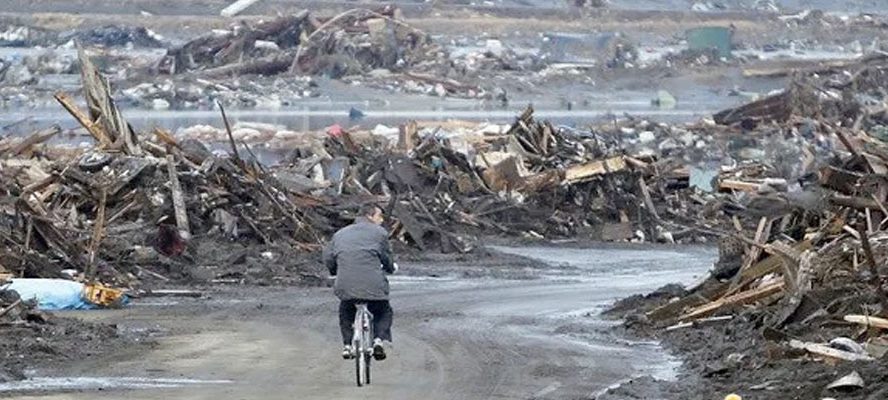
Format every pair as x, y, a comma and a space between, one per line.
234, 153
102, 109
875, 279
748, 187
269, 65
407, 136
761, 236
152, 273
797, 274
768, 265
35, 139
698, 322
178, 199
508, 174
237, 7
826, 351
741, 298
802, 67
414, 228
866, 320
648, 202
771, 108
94, 128
10, 307
581, 172
98, 233
673, 309
858, 203
617, 231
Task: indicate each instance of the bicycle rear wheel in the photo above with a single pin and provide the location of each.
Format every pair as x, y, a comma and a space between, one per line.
360, 366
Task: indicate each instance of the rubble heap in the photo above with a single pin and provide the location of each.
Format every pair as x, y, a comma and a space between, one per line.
350, 43
809, 282
151, 206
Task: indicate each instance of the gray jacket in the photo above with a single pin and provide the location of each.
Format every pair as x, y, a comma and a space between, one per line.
359, 255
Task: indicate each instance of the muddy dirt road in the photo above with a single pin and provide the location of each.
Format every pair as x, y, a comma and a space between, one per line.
517, 333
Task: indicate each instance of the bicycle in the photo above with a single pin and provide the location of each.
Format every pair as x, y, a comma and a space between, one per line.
362, 343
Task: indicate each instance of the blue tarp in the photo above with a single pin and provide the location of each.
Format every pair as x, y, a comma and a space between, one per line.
51, 294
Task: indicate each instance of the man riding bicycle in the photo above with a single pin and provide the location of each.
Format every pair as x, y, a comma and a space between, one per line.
359, 256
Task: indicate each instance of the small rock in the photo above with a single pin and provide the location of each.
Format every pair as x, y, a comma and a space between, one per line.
382, 130
18, 75
850, 382
160, 104
664, 100
847, 344
379, 73
735, 358
647, 136
201, 274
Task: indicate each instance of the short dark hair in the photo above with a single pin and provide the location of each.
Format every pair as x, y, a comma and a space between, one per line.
369, 209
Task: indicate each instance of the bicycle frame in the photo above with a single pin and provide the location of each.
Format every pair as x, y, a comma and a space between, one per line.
362, 342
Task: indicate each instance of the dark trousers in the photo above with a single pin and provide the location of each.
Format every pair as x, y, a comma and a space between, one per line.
382, 318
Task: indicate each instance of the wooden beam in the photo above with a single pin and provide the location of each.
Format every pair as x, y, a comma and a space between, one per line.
34, 139
770, 264
94, 128
648, 202
826, 351
673, 309
98, 233
866, 320
754, 252
178, 199
749, 187
236, 8
235, 154
585, 171
10, 307
746, 297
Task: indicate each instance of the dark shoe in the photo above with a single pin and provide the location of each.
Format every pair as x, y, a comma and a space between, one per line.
378, 350
348, 352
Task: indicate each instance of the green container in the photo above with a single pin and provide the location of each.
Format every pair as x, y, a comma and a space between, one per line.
710, 37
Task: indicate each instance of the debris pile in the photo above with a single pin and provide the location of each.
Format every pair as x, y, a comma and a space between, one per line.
13, 35
156, 206
159, 208
810, 281
87, 212
351, 43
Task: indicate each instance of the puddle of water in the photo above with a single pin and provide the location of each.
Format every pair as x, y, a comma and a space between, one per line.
95, 383
658, 265
609, 273
306, 119
790, 54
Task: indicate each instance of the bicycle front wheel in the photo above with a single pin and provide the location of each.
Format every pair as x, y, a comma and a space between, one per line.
367, 357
